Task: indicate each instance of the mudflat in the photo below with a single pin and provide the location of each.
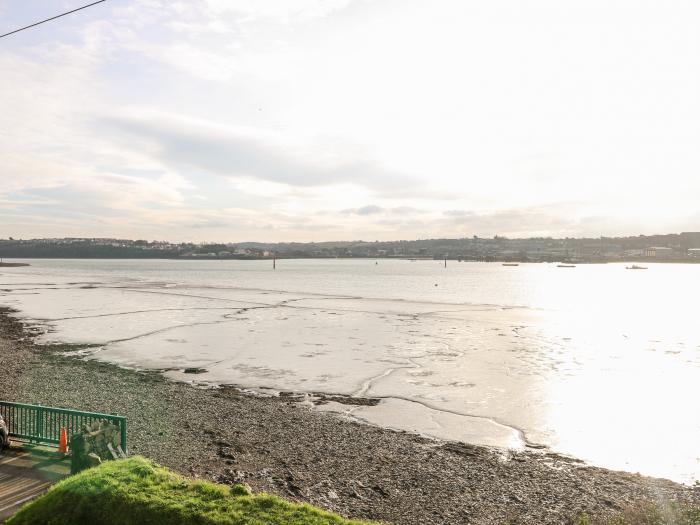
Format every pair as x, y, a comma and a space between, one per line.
279, 445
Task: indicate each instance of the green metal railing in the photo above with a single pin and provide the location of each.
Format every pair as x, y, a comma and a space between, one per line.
40, 424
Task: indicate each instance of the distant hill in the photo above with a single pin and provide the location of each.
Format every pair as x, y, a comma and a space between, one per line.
467, 248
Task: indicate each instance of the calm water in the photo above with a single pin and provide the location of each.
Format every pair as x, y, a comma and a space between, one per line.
595, 361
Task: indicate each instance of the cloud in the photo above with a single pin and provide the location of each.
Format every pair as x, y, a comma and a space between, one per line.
239, 118
373, 209
555, 219
303, 9
186, 145
457, 213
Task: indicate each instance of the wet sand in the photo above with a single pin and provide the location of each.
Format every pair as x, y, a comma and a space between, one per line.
280, 445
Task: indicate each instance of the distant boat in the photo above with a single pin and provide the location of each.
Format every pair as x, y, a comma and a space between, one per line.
511, 264
635, 267
566, 266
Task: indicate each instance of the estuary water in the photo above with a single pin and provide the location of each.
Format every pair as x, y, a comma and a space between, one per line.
596, 361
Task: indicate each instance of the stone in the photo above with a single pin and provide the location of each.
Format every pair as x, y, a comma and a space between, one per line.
99, 441
195, 370
94, 459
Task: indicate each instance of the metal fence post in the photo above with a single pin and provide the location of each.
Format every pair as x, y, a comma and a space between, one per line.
122, 425
39, 423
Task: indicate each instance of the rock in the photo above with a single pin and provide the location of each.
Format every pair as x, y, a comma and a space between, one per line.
195, 370
226, 453
94, 459
99, 441
379, 490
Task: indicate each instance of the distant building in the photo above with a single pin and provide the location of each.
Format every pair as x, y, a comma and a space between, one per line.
660, 252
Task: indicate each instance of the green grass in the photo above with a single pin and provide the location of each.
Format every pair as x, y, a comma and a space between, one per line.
136, 491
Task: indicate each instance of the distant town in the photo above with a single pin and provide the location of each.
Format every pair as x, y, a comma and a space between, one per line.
681, 247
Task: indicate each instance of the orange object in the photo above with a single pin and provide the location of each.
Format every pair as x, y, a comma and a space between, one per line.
63, 441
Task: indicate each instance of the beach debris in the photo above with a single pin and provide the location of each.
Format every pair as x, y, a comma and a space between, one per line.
320, 398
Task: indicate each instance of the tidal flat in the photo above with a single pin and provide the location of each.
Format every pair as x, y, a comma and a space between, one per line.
578, 362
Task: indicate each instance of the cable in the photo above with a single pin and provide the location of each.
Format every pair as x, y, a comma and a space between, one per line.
52, 18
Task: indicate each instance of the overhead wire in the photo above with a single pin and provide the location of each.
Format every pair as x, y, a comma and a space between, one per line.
52, 18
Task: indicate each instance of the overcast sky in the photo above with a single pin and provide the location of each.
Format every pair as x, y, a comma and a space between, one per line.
279, 120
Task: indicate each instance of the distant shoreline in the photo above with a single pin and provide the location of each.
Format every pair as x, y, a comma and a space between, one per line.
641, 260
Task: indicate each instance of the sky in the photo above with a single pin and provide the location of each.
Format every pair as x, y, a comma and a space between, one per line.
312, 120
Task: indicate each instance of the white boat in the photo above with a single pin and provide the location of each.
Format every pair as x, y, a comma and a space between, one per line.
635, 267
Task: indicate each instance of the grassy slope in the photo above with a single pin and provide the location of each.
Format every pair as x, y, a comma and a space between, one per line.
137, 491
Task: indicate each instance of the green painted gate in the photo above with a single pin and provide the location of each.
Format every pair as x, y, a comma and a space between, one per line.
42, 425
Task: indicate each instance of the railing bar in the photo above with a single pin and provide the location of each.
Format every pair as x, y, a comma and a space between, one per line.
40, 424
63, 410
